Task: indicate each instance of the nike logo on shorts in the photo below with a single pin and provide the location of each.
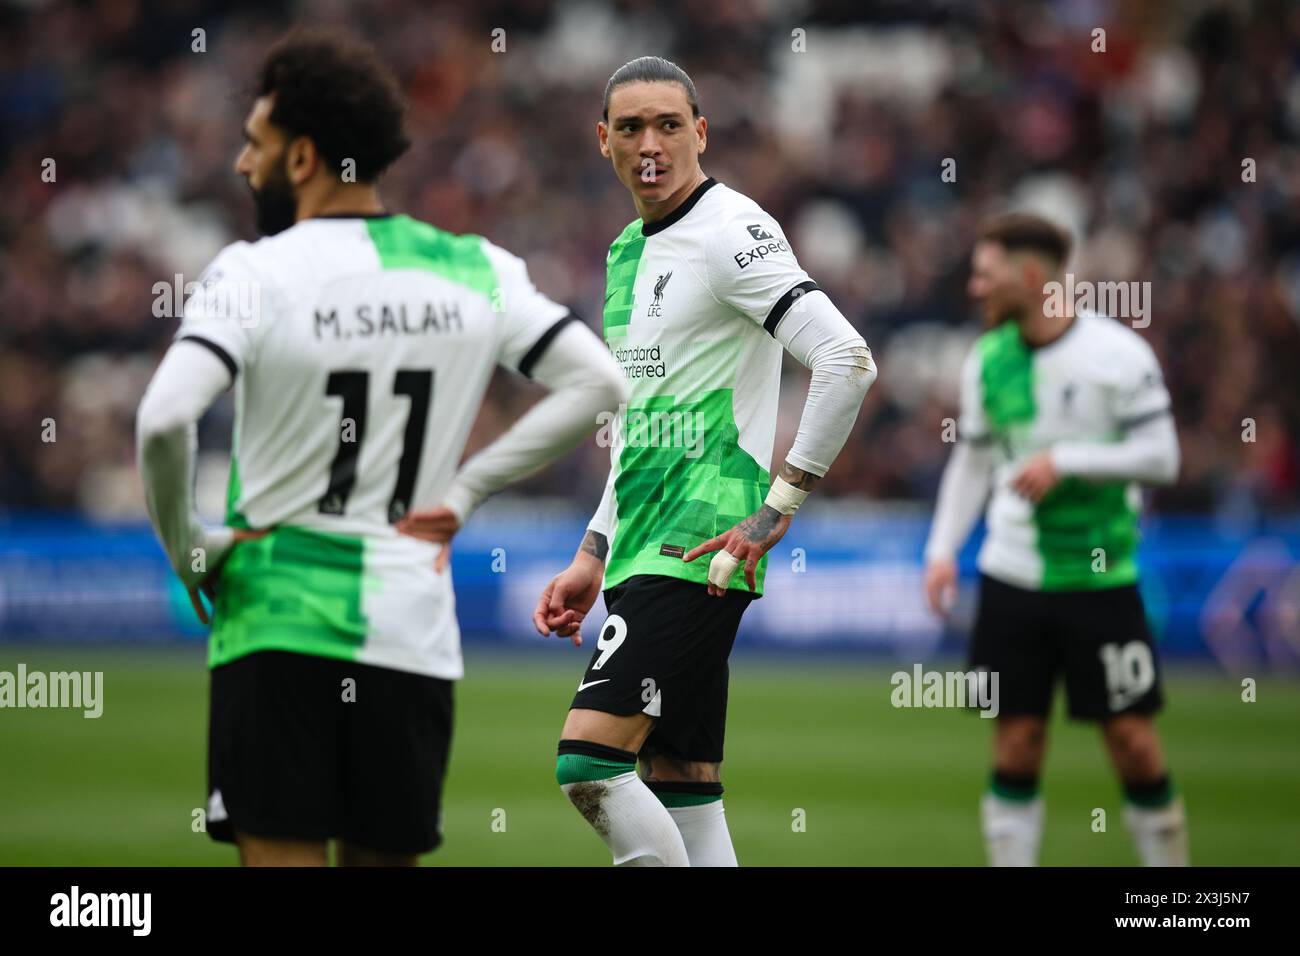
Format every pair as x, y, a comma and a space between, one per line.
593, 683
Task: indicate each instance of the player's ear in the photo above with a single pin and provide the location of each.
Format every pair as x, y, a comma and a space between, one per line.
1031, 273
302, 160
602, 137
702, 132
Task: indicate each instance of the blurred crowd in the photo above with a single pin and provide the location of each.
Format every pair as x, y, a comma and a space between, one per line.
1164, 135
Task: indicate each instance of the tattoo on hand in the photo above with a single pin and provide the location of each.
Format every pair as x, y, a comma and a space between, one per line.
595, 544
758, 527
803, 480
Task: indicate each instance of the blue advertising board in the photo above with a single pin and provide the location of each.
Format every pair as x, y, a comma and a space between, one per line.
844, 578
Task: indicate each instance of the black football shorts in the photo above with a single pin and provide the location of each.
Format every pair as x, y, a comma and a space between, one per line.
290, 758
1097, 640
663, 651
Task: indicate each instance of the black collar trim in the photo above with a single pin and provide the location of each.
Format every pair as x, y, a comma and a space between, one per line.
355, 215
659, 225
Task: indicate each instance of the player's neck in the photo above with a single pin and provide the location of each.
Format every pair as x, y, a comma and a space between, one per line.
1039, 329
653, 212
359, 198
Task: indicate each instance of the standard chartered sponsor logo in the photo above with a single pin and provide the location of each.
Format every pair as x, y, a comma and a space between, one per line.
640, 362
656, 429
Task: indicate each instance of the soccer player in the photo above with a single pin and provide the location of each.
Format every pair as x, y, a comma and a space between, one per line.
1062, 414
358, 373
703, 290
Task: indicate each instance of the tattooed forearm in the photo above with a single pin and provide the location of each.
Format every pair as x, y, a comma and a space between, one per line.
595, 544
803, 480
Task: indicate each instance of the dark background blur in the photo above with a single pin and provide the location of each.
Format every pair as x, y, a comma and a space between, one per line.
1138, 148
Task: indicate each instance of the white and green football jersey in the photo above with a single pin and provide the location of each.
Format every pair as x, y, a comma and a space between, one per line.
361, 348
1090, 385
691, 306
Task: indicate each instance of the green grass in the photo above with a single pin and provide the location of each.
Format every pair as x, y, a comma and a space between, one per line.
877, 785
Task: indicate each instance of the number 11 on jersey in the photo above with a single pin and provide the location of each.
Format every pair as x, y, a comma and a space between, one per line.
353, 387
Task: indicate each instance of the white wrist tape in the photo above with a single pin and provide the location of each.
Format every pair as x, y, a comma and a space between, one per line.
721, 568
784, 497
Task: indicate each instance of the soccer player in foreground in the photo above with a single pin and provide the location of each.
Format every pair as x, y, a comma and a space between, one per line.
702, 292
1061, 416
358, 374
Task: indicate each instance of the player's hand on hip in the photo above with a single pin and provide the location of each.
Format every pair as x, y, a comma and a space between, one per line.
747, 542
941, 585
197, 603
437, 526
208, 586
1038, 477
568, 597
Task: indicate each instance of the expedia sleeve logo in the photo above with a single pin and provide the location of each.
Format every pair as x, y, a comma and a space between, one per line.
768, 245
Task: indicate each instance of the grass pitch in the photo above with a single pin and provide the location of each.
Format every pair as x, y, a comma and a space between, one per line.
811, 741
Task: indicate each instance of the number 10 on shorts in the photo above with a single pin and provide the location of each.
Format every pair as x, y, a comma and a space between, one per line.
1130, 672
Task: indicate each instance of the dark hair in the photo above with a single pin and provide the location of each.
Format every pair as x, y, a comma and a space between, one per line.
1017, 231
337, 93
651, 69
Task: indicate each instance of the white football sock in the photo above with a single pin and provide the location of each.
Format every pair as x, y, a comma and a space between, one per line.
630, 819
1160, 833
704, 831
1013, 829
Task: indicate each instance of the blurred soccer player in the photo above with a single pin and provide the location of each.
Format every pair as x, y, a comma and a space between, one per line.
334, 642
702, 292
1061, 416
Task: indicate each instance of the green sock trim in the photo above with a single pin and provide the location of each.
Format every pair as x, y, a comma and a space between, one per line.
1151, 797
1010, 791
579, 768
672, 800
